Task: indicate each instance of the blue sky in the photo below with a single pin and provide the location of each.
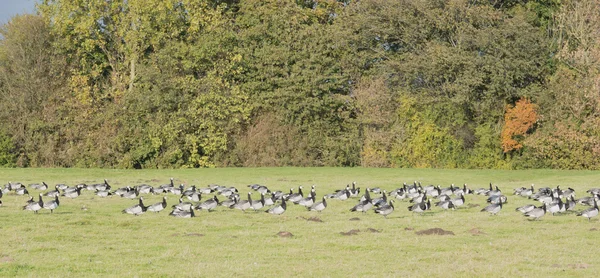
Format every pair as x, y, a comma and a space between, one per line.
9, 8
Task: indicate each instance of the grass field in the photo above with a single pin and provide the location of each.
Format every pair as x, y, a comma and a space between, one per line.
102, 241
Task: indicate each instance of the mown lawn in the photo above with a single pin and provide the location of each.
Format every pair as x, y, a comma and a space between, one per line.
89, 236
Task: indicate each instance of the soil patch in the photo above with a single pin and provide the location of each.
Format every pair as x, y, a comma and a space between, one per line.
434, 231
285, 234
194, 234
593, 229
354, 219
6, 259
472, 205
476, 232
409, 229
350, 233
373, 230
313, 219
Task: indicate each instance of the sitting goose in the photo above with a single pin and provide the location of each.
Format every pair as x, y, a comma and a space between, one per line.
457, 202
37, 186
243, 204
137, 209
205, 190
279, 209
385, 209
256, 205
571, 203
354, 191
365, 203
591, 212
381, 201
103, 193
183, 213
52, 205
420, 207
158, 206
445, 204
73, 192
209, 204
122, 190
230, 201
131, 193
536, 213
145, 189
35, 206
182, 206
493, 208
320, 206
21, 190
295, 197
53, 193
194, 197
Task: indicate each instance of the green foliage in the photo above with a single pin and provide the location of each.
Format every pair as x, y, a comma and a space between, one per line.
377, 83
7, 151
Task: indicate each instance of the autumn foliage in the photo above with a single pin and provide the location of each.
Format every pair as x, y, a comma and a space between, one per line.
518, 119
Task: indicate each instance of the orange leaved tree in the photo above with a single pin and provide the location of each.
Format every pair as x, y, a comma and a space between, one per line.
518, 119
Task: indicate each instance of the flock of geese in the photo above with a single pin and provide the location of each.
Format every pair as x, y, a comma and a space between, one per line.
549, 200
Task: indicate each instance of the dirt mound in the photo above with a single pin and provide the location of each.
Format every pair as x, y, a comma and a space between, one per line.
194, 234
476, 232
313, 219
434, 231
593, 229
409, 229
350, 233
285, 234
354, 219
373, 230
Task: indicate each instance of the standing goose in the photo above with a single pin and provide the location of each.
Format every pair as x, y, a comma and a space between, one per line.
591, 212
53, 193
52, 205
320, 206
381, 201
35, 206
279, 209
137, 209
209, 204
571, 203
243, 204
385, 209
493, 208
295, 197
308, 201
158, 206
354, 191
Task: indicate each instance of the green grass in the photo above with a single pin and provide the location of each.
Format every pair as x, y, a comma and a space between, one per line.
101, 241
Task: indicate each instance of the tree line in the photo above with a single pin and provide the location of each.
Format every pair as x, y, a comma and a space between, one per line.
376, 83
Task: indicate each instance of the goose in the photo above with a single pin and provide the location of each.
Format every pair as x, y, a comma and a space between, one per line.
457, 202
497, 191
420, 207
188, 192
37, 186
354, 191
21, 190
230, 202
209, 204
570, 192
588, 201
570, 204
0, 202
1, 194
591, 212
536, 213
62, 186
260, 188
363, 206
243, 204
493, 208
103, 193
205, 190
270, 201
74, 193
158, 190
182, 206
102, 186
555, 206
483, 191
594, 191
420, 198
183, 213
279, 209
131, 194
52, 205
158, 206
177, 190
445, 204
527, 192
122, 191
145, 189
256, 205
320, 206
295, 197
447, 191
194, 197
308, 201
385, 210
495, 199
35, 206
526, 208
53, 193
396, 192
228, 192
137, 209
381, 201
171, 184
